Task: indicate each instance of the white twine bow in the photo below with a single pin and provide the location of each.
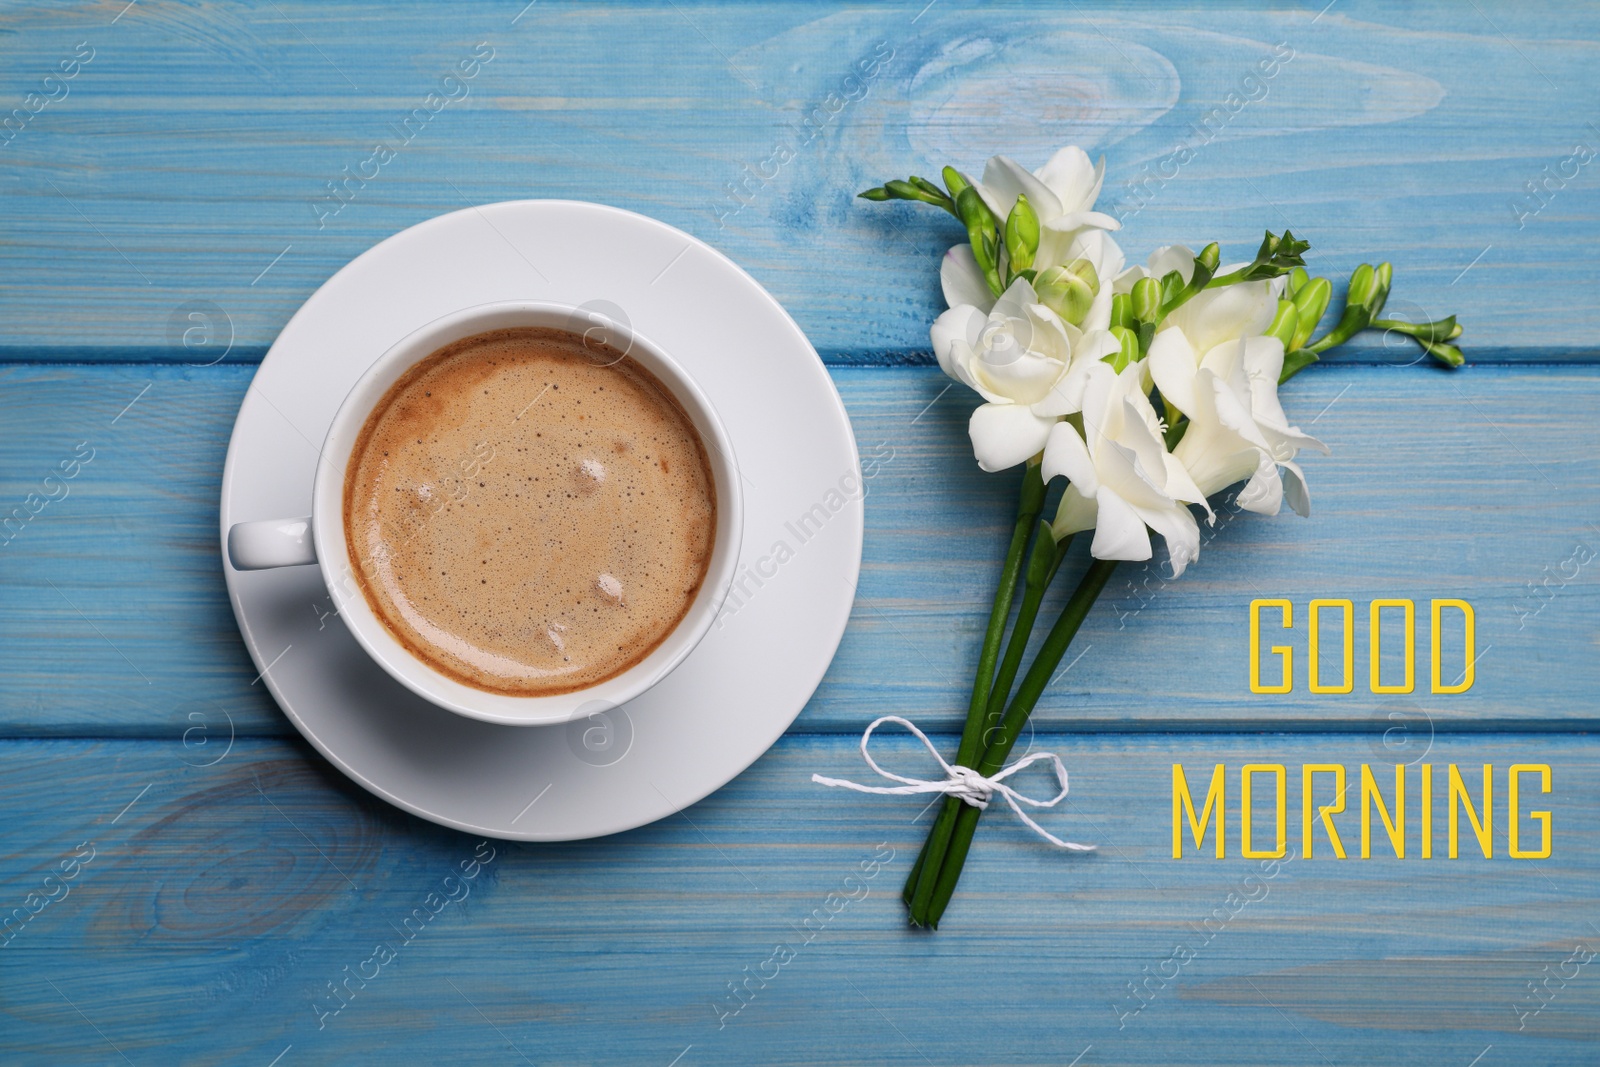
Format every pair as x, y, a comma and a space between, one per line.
963, 782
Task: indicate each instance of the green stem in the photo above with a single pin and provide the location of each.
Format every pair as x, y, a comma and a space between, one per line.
1043, 562
1231, 278
1335, 337
916, 871
1443, 330
1030, 501
994, 757
1044, 559
1355, 318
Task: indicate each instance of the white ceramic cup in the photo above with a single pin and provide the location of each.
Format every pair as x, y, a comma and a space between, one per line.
320, 538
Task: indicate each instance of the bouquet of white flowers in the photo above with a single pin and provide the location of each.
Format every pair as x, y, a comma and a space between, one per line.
1149, 389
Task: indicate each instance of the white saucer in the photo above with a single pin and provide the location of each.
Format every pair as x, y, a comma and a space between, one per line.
746, 681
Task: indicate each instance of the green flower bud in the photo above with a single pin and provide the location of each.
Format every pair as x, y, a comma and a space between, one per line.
1310, 301
1384, 277
1129, 352
981, 233
1022, 235
1122, 310
975, 214
1285, 323
1085, 270
1146, 300
1172, 284
955, 181
1449, 355
1297, 281
1363, 286
1067, 293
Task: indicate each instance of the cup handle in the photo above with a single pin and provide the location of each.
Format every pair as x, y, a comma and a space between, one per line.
254, 546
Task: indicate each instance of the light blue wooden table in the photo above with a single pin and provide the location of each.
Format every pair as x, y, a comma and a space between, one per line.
184, 168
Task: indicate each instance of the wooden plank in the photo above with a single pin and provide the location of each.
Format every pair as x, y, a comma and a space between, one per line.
1439, 485
220, 902
186, 166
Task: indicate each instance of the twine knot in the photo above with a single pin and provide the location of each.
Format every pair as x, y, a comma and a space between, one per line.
968, 785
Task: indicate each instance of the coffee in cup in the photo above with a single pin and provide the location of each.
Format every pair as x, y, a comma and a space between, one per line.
529, 511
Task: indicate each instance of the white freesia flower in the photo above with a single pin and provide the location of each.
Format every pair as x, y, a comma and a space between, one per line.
1212, 362
1237, 427
1162, 262
1243, 309
1027, 364
1062, 193
1104, 254
1122, 478
963, 281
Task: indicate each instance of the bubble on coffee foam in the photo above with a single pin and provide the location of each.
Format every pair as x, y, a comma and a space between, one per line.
554, 632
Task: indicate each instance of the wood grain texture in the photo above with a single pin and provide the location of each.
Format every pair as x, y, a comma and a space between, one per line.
1439, 485
189, 159
220, 901
163, 224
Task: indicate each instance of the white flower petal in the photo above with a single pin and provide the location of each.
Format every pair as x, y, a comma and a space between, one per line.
953, 334
1287, 441
1013, 303
1232, 410
1052, 336
962, 358
1076, 512
1072, 221
1263, 493
1181, 533
1004, 435
1120, 471
1099, 248
1099, 314
1169, 258
1173, 366
1119, 532
1066, 396
963, 281
1263, 363
961, 321
1180, 486
1214, 455
1065, 455
1020, 375
1214, 316
1096, 399
1074, 180
1295, 490
1004, 179
1144, 439
1095, 345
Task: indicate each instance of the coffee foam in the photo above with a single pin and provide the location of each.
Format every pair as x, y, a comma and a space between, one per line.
529, 513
